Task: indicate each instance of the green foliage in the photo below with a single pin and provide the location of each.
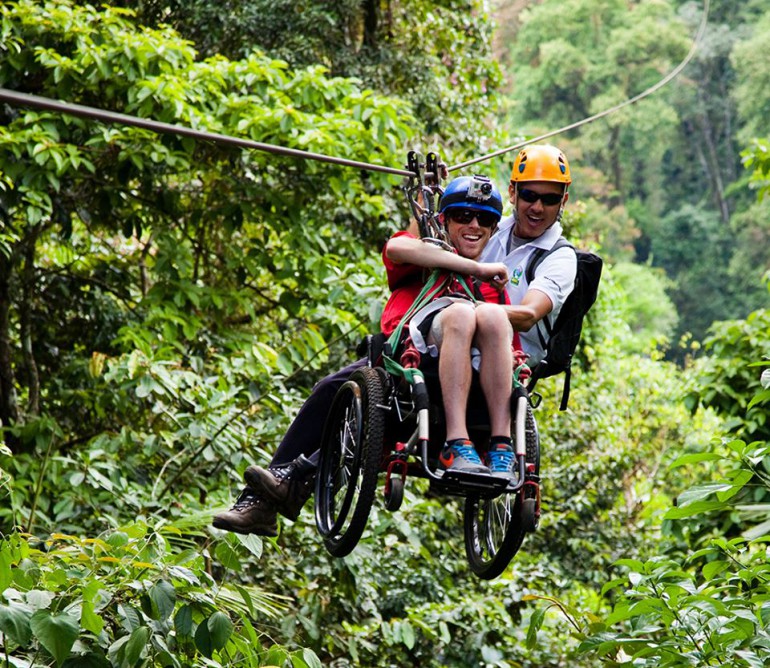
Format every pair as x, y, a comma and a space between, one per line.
436, 55
164, 299
652, 315
756, 158
642, 162
139, 593
729, 379
753, 77
165, 305
707, 606
603, 53
699, 268
674, 617
164, 244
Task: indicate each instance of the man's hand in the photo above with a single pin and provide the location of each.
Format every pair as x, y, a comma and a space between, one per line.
495, 273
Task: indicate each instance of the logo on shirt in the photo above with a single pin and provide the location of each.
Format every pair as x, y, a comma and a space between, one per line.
516, 276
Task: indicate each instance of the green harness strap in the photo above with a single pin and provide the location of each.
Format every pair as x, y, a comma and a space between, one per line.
432, 289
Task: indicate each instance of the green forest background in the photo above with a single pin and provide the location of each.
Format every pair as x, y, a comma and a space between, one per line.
166, 305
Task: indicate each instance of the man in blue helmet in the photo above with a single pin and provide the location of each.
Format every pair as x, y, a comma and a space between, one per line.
470, 209
456, 327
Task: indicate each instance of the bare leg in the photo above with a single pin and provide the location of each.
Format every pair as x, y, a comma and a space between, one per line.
458, 323
493, 338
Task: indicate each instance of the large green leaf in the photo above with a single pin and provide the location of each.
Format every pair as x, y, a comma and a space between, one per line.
203, 639
228, 557
183, 622
57, 633
163, 596
252, 543
15, 623
136, 644
221, 628
89, 620
5, 566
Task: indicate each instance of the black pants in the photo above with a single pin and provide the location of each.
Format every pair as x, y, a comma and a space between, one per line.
304, 434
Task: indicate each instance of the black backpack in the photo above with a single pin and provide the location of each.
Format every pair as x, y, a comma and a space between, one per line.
565, 333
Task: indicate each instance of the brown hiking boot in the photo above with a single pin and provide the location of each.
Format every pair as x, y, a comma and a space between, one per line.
286, 486
249, 514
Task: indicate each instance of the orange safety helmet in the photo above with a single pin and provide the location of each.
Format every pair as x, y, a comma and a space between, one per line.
541, 162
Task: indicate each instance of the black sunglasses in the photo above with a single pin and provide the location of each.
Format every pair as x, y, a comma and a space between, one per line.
548, 199
466, 216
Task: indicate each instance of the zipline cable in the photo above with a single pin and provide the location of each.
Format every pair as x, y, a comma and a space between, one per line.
671, 75
26, 100
35, 101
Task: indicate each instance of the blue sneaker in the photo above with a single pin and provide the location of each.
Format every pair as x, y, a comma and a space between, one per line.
461, 455
501, 458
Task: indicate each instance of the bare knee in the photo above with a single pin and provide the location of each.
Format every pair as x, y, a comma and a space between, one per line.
458, 320
491, 320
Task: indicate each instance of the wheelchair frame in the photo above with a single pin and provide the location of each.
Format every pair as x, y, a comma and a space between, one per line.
360, 442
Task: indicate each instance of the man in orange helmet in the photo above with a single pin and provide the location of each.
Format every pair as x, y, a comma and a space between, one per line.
538, 192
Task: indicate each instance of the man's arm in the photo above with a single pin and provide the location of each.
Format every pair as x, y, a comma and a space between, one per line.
554, 280
533, 308
408, 250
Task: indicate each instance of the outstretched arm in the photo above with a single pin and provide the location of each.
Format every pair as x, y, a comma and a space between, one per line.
408, 250
533, 308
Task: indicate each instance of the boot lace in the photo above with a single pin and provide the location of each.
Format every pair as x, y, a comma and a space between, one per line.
283, 471
246, 500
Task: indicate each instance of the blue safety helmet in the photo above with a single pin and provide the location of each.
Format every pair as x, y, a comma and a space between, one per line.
472, 192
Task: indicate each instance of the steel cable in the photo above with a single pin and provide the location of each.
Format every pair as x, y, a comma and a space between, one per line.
35, 101
26, 100
669, 77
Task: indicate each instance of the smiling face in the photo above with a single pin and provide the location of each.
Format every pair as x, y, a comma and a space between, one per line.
468, 238
533, 218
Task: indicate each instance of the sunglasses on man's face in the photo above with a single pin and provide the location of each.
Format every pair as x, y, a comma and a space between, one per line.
548, 199
466, 216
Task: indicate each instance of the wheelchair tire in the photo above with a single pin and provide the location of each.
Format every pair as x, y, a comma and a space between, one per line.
495, 527
350, 457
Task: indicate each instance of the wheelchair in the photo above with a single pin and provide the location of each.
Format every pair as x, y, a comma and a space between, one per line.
384, 426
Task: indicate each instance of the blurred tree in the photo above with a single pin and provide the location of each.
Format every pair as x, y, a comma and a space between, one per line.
652, 315
674, 150
752, 74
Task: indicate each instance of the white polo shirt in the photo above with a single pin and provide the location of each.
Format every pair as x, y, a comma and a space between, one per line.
555, 276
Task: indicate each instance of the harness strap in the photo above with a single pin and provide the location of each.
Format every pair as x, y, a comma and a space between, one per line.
436, 283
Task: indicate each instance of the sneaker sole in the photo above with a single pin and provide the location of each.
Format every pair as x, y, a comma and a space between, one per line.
270, 532
470, 469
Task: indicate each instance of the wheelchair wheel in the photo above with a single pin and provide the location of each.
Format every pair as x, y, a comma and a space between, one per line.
495, 528
351, 452
394, 495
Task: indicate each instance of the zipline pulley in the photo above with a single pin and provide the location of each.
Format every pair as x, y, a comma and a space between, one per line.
423, 191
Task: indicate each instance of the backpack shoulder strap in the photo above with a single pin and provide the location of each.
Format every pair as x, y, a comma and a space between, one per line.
537, 257
539, 254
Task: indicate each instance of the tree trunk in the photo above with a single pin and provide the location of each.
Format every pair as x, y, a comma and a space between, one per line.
25, 321
371, 22
714, 164
9, 409
617, 170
